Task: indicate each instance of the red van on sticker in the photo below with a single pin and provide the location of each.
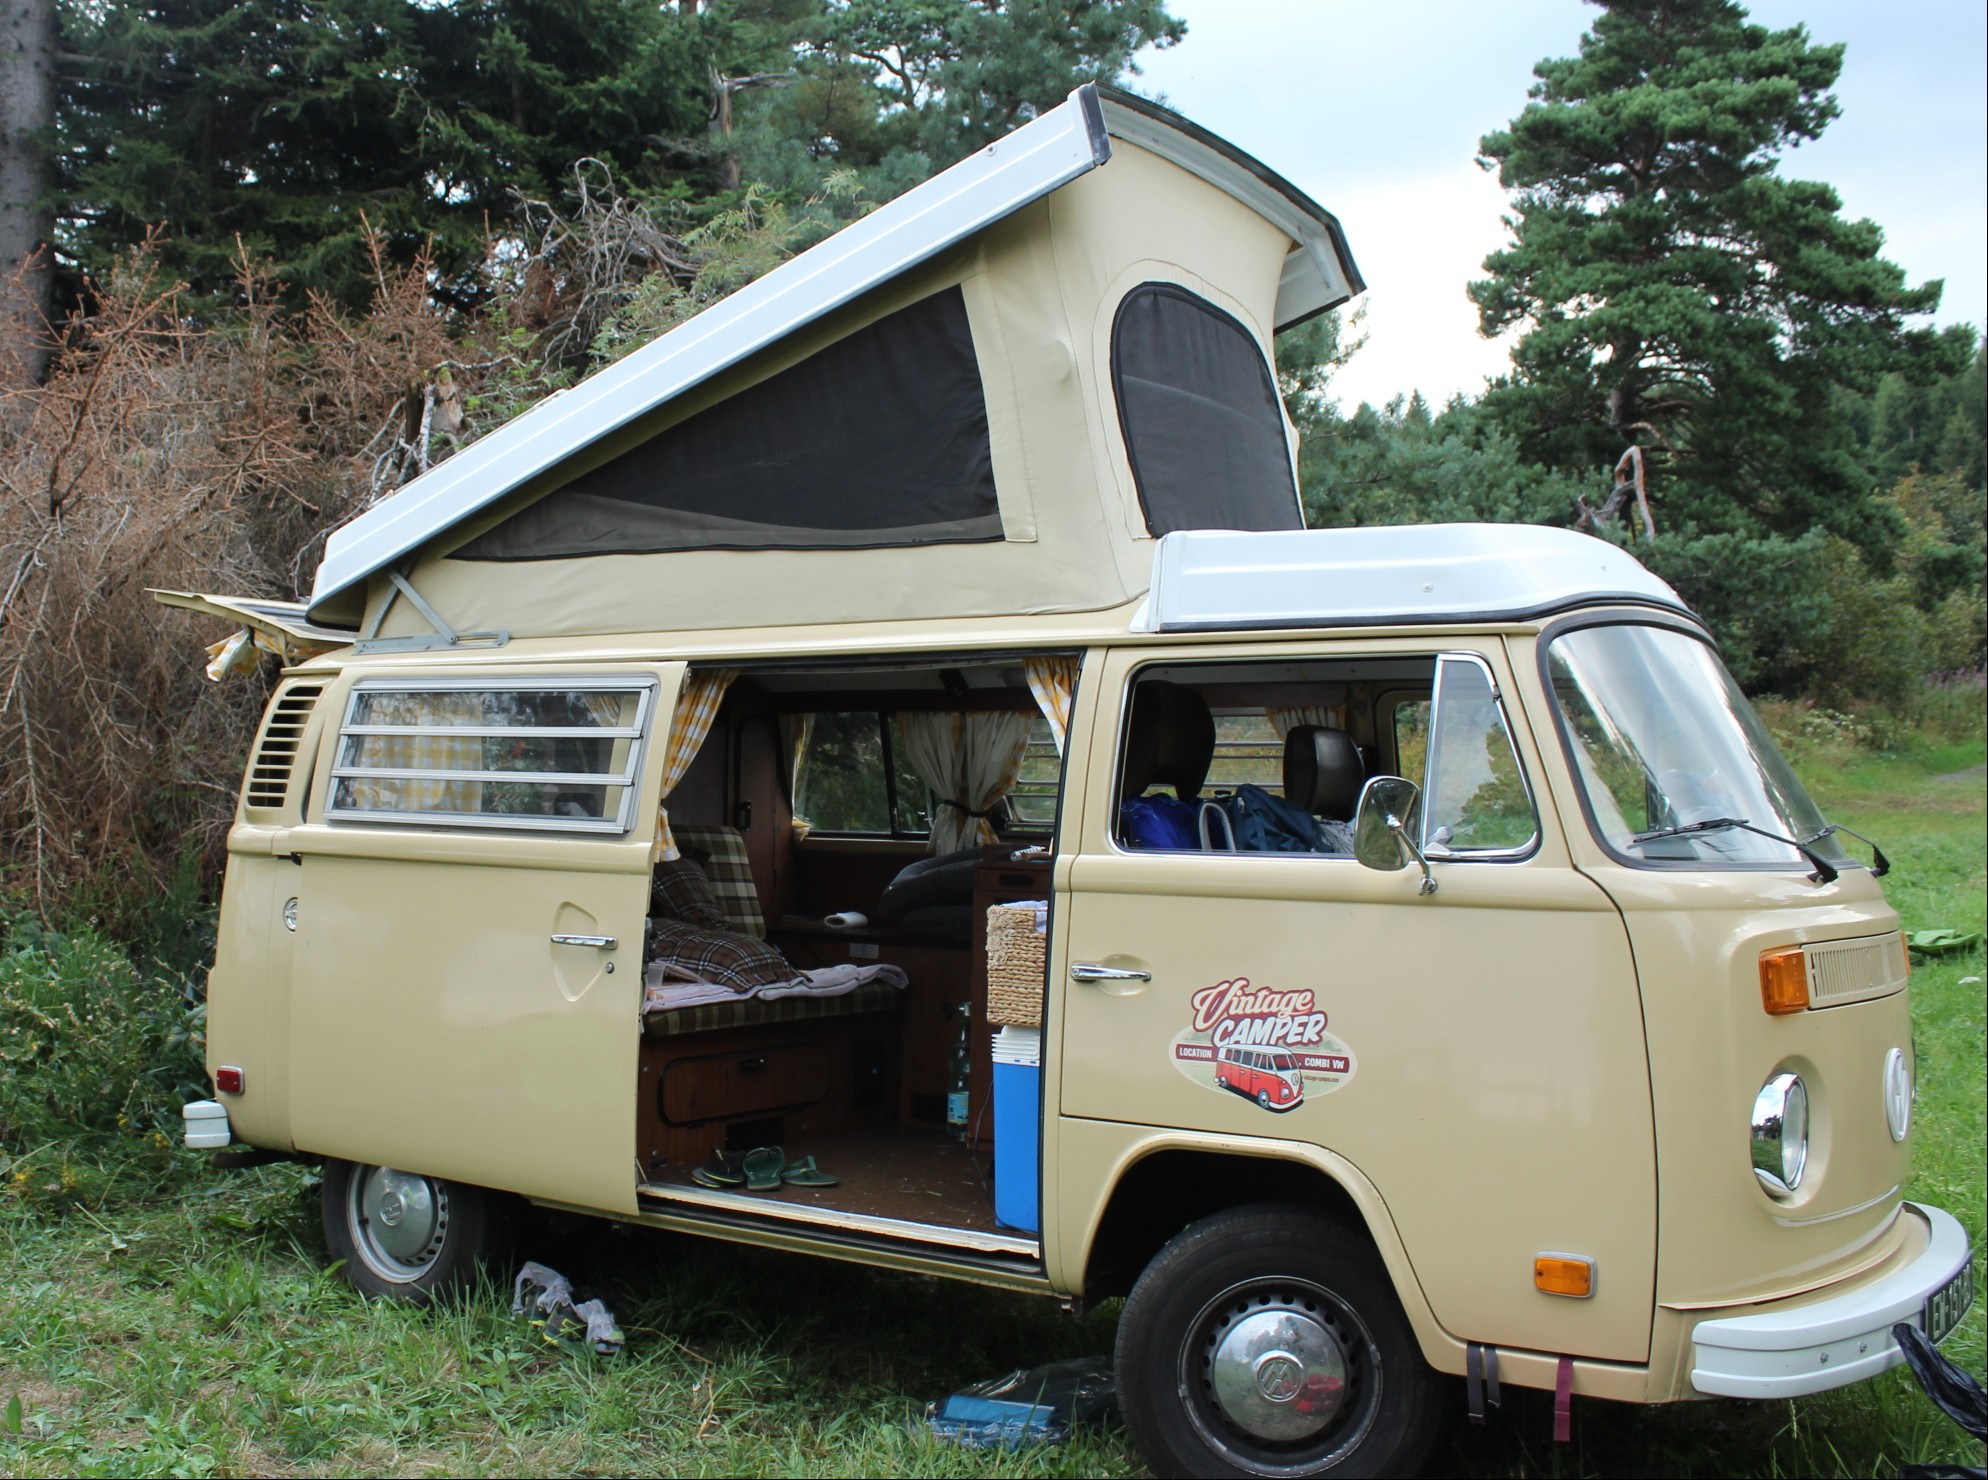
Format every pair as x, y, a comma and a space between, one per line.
1261, 1074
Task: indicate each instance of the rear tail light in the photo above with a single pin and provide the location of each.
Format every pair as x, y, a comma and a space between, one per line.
1784, 982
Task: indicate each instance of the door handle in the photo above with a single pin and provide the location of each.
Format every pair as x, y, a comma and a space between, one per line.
603, 942
1085, 971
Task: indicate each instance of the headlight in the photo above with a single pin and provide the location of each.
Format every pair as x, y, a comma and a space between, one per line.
1781, 1133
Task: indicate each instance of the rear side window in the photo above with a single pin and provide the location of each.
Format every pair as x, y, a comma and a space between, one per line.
1203, 427
550, 754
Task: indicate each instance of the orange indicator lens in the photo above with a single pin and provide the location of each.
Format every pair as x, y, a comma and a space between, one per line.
1784, 982
1564, 1274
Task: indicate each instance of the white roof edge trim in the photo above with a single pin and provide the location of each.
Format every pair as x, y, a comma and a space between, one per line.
1041, 156
285, 617
1205, 580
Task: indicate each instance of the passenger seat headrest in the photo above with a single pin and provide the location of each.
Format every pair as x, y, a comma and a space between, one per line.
1323, 772
1169, 740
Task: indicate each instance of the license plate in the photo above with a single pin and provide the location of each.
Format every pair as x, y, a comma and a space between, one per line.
1946, 1305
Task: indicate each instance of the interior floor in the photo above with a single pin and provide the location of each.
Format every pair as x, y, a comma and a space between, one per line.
937, 1189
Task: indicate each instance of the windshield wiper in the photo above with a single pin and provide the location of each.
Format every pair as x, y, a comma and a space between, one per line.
1880, 865
1825, 871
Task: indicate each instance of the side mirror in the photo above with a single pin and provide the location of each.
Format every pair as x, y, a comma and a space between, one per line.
1380, 828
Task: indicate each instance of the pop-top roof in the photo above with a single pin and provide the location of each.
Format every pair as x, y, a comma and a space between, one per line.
1061, 145
1210, 580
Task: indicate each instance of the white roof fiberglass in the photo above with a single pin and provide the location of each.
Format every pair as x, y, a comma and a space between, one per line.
570, 431
1209, 580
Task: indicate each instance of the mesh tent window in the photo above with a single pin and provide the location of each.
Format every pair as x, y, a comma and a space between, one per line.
879, 439
1199, 411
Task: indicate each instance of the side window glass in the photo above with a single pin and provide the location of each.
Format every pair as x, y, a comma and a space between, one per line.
839, 783
1411, 739
556, 754
1476, 800
1032, 802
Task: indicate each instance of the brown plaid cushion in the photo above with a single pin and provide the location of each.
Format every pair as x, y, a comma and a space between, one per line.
680, 890
728, 869
722, 956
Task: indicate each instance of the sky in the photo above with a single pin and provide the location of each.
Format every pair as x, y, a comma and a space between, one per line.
1375, 112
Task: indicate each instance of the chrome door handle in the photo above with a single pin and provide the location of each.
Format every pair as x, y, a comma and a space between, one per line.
604, 942
1085, 971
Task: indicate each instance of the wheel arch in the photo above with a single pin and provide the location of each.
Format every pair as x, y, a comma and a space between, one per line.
1167, 1181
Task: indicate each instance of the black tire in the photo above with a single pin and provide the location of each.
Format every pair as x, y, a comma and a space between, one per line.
1294, 1316
402, 1236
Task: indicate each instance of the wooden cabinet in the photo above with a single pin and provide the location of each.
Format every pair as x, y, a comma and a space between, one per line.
753, 1081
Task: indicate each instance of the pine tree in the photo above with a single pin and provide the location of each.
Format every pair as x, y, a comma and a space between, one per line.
284, 123
1677, 293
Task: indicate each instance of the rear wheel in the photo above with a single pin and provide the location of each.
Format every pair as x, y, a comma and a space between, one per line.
1268, 1341
402, 1235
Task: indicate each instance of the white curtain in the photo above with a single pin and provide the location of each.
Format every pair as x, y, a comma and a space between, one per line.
1286, 718
970, 761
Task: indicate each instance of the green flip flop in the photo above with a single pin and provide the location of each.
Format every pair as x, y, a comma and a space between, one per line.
763, 1165
724, 1170
804, 1173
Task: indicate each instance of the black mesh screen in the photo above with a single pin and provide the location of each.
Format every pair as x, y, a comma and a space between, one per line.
879, 439
1200, 415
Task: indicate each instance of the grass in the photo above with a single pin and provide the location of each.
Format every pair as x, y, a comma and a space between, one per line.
197, 1332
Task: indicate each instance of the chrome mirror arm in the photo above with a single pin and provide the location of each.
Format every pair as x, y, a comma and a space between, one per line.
1400, 831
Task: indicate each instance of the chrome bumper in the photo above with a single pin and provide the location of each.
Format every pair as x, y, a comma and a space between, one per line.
1833, 1340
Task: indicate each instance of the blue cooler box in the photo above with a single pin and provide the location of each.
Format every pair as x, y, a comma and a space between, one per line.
1018, 1128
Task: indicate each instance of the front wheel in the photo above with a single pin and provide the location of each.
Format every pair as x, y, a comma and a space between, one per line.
401, 1235
1268, 1341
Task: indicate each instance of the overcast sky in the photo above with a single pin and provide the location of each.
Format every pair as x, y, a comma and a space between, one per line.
1375, 111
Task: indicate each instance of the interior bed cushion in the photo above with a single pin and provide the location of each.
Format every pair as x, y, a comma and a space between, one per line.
751, 1012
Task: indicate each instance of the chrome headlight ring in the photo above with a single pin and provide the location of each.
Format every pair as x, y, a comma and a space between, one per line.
1781, 1133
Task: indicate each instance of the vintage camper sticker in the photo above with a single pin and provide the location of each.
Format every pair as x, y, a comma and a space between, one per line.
1267, 1045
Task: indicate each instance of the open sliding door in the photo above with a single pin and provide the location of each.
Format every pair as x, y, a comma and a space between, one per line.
471, 891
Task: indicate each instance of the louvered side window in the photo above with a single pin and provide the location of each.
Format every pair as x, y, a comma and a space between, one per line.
275, 760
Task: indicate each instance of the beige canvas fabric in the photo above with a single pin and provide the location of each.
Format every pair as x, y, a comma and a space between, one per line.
1041, 288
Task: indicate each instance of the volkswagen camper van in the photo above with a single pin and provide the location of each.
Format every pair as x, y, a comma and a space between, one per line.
625, 828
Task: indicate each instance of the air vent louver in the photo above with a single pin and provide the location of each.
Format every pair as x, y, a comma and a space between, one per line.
282, 735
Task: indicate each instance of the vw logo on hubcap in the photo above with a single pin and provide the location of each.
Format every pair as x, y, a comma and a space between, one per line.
1280, 1377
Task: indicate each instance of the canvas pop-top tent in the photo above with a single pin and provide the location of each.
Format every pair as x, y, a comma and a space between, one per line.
990, 396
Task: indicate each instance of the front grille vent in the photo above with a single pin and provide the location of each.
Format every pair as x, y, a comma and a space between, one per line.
282, 737
1845, 971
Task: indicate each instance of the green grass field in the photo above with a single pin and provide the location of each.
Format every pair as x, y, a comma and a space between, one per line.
195, 1332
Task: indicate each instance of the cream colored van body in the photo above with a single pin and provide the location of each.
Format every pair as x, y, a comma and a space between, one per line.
1558, 1053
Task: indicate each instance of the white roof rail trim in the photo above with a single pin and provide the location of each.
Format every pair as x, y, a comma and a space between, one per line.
1211, 580
1008, 174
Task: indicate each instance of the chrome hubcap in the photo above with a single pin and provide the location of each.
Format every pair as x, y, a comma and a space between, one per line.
1284, 1365
398, 1221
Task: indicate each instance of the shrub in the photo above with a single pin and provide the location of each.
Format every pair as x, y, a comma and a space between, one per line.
96, 1057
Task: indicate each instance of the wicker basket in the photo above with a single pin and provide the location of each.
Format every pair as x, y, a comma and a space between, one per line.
1015, 966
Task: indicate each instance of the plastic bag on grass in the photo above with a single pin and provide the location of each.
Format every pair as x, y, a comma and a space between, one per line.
1031, 1405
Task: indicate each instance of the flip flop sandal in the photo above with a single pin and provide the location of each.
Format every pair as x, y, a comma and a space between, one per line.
724, 1169
763, 1165
804, 1173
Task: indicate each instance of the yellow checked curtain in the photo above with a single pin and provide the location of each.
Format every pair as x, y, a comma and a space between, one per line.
696, 708
1053, 681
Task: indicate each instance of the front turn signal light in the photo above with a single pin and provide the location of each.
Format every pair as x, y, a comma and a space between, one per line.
1784, 982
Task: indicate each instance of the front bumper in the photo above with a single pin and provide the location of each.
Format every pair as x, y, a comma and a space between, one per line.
1832, 1340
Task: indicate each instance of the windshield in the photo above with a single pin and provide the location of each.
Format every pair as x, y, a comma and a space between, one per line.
1662, 738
